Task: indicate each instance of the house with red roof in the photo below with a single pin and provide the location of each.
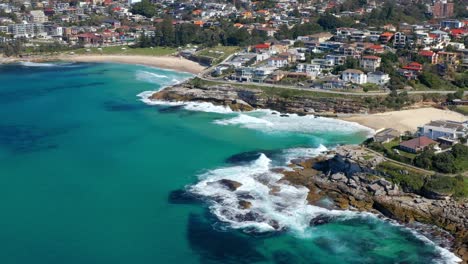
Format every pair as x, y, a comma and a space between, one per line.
459, 32
414, 66
429, 55
375, 49
416, 145
386, 37
263, 47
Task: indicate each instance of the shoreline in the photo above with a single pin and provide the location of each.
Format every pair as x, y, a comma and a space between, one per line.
164, 62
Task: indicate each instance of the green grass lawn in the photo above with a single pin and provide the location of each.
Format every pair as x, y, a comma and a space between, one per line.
462, 163
463, 109
394, 145
219, 53
119, 50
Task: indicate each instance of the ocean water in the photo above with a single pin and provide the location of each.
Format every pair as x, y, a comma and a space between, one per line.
92, 172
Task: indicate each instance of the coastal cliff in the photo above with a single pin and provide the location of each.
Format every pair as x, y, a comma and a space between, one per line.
349, 176
246, 98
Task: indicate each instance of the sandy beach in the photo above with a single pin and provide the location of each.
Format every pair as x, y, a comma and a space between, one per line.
405, 120
165, 62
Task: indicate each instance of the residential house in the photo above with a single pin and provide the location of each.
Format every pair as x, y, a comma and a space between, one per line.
244, 74
429, 55
378, 78
449, 58
264, 47
312, 70
451, 23
337, 59
331, 83
399, 40
370, 62
354, 76
418, 144
444, 129
278, 62
37, 16
375, 49
386, 37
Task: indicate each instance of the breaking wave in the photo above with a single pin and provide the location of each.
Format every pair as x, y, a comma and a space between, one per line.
40, 64
273, 122
191, 106
163, 79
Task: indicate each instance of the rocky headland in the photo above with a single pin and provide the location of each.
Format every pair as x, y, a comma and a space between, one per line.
244, 98
349, 176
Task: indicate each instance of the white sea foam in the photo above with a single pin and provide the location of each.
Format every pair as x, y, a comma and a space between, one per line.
151, 77
275, 204
192, 106
272, 122
37, 64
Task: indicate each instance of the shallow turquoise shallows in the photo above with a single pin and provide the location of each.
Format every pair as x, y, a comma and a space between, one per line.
91, 174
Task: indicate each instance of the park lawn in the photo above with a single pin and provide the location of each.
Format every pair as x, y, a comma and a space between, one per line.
120, 50
219, 53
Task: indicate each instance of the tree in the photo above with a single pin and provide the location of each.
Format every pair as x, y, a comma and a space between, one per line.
444, 162
329, 22
144, 8
460, 151
424, 160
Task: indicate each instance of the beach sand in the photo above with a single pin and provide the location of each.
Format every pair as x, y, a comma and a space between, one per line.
165, 62
405, 120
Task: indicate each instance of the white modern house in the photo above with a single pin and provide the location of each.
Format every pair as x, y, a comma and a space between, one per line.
354, 76
444, 129
278, 62
378, 78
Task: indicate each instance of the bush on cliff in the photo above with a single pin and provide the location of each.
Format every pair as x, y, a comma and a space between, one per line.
409, 180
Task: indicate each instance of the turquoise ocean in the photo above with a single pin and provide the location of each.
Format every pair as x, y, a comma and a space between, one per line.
93, 172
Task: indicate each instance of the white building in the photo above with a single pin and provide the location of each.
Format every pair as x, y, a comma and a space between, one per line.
370, 62
444, 129
37, 16
26, 30
312, 70
378, 78
354, 76
278, 62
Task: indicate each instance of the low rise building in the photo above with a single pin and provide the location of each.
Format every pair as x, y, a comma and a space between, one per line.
378, 78
370, 62
418, 144
444, 129
354, 76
